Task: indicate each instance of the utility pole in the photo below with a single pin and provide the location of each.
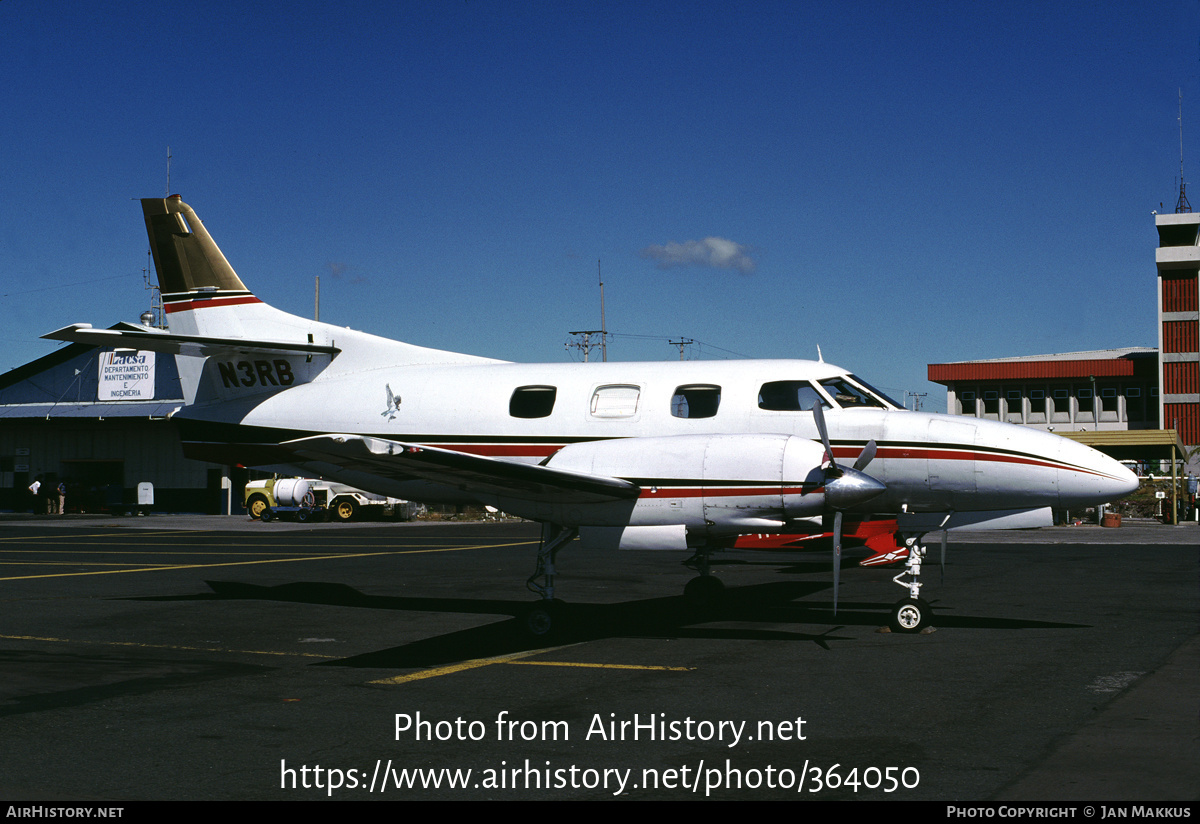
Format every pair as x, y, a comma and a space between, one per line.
682, 342
916, 396
585, 343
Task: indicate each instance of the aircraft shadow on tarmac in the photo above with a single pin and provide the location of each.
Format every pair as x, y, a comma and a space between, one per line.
667, 617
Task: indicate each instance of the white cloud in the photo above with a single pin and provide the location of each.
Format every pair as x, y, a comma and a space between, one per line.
716, 252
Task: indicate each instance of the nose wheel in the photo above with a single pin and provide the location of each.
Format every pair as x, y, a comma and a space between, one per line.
910, 615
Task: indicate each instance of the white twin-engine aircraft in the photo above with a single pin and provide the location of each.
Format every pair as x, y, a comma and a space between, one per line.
675, 455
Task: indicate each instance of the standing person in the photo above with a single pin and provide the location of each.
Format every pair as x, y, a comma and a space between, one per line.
34, 488
62, 498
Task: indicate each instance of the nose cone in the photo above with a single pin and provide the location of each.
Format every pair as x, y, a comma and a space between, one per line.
1087, 477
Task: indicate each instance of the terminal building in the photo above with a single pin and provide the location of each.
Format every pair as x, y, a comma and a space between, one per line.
1178, 261
1111, 389
1092, 396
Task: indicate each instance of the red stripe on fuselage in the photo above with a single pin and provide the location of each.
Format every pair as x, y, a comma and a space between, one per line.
187, 305
935, 453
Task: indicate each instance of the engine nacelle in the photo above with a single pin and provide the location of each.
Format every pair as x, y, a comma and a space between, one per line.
720, 484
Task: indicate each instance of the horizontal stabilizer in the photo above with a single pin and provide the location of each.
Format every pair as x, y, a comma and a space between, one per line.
474, 474
129, 336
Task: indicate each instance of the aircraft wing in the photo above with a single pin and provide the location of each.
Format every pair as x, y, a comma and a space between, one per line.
142, 338
476, 474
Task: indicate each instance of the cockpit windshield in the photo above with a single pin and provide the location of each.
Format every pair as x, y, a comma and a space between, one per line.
849, 396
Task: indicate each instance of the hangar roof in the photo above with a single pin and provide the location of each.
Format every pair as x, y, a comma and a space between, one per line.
71, 383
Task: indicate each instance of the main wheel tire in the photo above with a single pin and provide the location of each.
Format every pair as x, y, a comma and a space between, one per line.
256, 505
543, 619
344, 509
705, 592
910, 615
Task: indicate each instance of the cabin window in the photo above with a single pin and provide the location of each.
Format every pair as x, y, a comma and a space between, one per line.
789, 396
532, 401
617, 401
849, 396
697, 401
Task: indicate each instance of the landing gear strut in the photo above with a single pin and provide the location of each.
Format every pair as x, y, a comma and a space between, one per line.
911, 614
539, 621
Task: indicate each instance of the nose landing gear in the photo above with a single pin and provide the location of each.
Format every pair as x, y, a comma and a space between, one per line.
911, 614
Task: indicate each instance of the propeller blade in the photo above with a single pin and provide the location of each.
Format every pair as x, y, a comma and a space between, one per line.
819, 418
837, 556
866, 456
945, 534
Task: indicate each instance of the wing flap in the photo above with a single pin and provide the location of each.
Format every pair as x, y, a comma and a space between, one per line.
129, 336
474, 474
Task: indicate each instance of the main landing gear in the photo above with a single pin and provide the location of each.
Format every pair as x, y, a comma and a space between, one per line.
705, 592
540, 619
913, 613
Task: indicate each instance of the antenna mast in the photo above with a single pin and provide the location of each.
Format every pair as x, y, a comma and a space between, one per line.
168, 171
603, 328
1182, 204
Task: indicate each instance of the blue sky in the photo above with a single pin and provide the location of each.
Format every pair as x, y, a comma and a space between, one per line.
899, 183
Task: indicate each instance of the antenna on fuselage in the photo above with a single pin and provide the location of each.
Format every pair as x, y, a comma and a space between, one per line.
820, 357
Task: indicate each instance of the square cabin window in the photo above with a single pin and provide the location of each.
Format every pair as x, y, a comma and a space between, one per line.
696, 401
532, 401
615, 401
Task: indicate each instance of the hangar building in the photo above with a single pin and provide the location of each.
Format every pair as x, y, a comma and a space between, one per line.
96, 419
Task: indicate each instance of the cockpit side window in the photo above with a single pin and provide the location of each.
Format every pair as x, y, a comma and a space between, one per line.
789, 396
696, 401
532, 401
849, 396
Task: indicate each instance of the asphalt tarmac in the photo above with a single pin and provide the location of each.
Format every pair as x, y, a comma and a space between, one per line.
207, 658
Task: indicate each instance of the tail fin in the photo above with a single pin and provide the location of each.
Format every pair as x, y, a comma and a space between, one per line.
192, 272
250, 346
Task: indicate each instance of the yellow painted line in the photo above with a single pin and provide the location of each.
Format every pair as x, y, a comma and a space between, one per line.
599, 666
189, 566
112, 535
460, 667
410, 548
70, 563
10, 552
166, 646
248, 563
